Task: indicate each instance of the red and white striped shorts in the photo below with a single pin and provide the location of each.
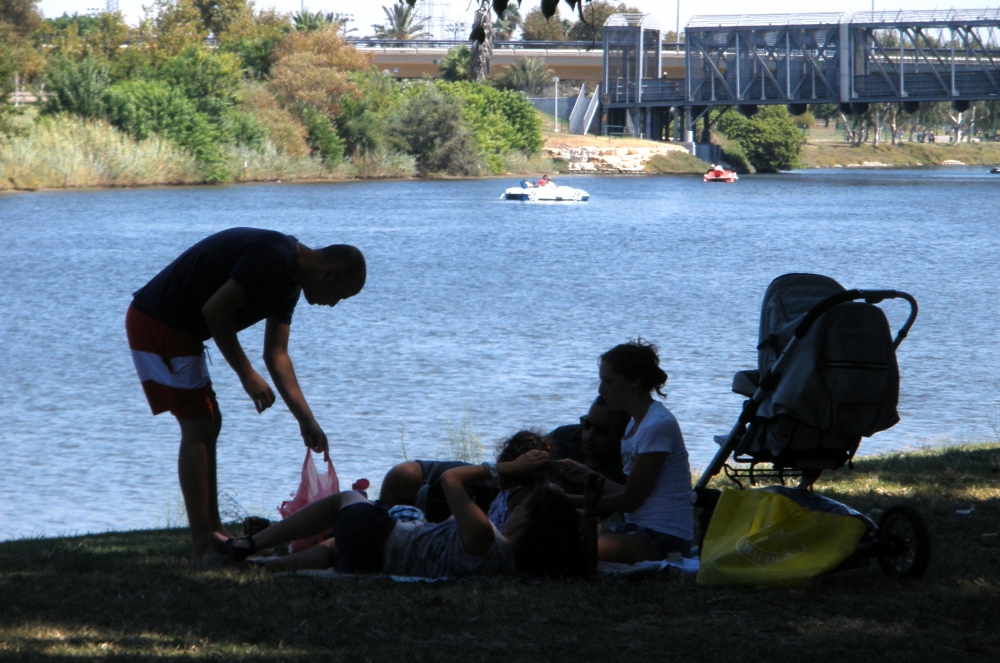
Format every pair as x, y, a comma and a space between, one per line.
172, 368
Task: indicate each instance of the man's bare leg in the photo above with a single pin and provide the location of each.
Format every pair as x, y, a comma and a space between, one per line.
213, 486
197, 478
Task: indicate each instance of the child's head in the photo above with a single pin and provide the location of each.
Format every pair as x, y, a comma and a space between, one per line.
513, 447
544, 532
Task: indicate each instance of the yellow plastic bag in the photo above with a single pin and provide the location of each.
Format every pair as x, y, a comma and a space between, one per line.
761, 538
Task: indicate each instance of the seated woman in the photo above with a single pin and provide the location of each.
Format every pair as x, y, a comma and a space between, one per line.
543, 535
656, 495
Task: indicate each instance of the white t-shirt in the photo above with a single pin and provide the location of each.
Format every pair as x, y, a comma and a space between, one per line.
667, 508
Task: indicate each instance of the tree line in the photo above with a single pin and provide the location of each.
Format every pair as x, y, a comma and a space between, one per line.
213, 76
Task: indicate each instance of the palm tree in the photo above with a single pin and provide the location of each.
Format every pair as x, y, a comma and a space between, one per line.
507, 22
528, 75
307, 22
400, 23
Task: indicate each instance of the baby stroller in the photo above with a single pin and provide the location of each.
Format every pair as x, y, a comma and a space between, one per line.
826, 377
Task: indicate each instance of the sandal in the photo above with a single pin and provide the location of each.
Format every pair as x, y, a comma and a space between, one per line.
239, 553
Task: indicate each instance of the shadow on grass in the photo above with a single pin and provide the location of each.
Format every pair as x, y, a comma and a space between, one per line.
132, 596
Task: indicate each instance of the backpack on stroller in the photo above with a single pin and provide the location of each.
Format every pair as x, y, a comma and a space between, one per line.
826, 377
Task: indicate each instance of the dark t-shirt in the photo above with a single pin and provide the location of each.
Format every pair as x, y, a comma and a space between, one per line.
567, 442
259, 260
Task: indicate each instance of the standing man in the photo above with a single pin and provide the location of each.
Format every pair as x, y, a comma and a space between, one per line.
218, 287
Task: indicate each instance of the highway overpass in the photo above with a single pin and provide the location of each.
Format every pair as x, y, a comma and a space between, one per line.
576, 61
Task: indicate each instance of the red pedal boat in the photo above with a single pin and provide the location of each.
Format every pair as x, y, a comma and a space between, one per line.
718, 174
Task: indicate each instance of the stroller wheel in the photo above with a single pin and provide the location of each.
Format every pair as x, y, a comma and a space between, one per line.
904, 544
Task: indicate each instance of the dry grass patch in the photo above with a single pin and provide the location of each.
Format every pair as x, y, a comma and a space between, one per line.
829, 154
675, 162
62, 152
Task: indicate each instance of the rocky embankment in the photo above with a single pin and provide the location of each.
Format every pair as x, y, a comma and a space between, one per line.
596, 158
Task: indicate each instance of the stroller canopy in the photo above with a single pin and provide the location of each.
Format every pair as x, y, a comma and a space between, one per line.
842, 376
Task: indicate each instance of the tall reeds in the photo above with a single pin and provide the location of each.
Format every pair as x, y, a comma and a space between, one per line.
249, 165
62, 152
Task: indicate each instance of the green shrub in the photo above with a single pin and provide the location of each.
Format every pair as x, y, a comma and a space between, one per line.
431, 129
502, 121
18, 121
734, 156
76, 88
210, 79
770, 138
144, 108
323, 138
364, 119
254, 55
243, 129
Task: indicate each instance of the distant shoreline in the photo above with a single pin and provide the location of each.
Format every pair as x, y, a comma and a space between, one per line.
641, 157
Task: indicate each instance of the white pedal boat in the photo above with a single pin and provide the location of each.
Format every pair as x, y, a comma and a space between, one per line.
545, 194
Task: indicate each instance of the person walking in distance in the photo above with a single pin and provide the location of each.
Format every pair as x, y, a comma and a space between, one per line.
218, 287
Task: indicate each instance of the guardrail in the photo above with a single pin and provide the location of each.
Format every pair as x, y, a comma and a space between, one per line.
372, 42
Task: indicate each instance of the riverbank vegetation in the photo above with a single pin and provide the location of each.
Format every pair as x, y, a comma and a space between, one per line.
836, 153
770, 138
268, 96
132, 596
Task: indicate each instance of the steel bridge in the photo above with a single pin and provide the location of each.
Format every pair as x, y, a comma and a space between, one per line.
904, 57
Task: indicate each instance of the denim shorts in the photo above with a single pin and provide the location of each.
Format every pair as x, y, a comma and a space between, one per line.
664, 544
359, 533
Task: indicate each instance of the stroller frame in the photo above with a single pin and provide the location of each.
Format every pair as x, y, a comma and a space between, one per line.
900, 541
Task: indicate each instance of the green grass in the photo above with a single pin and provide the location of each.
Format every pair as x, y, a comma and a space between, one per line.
131, 596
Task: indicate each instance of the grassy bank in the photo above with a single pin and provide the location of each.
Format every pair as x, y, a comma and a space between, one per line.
131, 596
823, 154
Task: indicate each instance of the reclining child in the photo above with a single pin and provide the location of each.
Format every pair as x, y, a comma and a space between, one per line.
543, 535
595, 442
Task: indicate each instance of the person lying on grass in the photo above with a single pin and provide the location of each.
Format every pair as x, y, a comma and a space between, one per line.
595, 442
659, 518
418, 483
543, 535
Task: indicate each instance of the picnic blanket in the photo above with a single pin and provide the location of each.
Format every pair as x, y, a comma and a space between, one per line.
682, 567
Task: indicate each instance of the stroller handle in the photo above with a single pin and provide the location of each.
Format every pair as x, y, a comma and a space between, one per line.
870, 296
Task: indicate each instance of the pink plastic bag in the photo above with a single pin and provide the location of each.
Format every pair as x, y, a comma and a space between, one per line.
312, 487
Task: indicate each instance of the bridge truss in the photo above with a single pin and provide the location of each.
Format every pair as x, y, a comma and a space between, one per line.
904, 56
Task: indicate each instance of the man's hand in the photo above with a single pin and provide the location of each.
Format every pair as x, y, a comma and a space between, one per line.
573, 471
314, 437
534, 463
258, 390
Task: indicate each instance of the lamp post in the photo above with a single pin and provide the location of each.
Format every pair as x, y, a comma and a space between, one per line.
557, 103
677, 34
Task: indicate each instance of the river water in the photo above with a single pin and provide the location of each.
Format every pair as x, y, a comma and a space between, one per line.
479, 317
